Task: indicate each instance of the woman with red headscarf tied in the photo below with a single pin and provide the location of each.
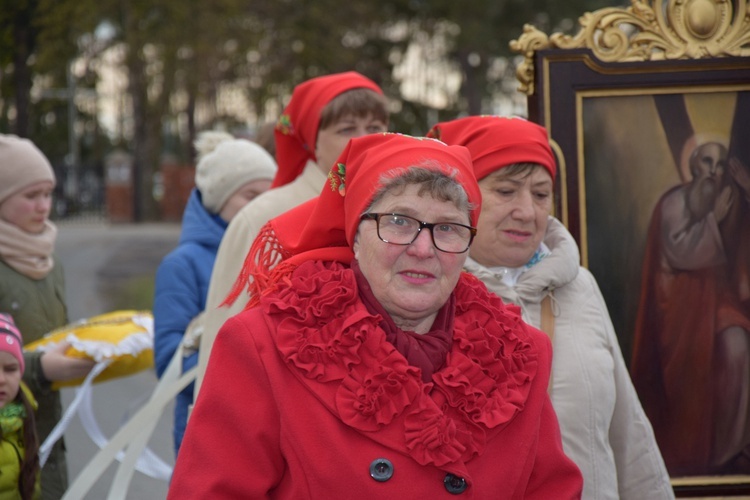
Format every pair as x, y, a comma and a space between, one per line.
321, 117
370, 365
528, 258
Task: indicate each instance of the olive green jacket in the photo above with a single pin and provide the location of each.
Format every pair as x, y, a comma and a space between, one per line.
37, 307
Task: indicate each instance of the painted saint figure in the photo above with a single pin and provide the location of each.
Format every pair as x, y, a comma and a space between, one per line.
691, 359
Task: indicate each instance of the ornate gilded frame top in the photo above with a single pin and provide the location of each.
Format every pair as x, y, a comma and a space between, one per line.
652, 30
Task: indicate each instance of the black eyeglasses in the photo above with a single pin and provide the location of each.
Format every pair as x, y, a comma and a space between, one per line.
398, 229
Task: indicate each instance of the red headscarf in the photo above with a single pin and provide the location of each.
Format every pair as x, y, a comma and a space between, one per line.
324, 227
296, 132
496, 142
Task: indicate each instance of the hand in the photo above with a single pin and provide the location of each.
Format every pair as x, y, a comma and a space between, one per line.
59, 367
723, 203
740, 174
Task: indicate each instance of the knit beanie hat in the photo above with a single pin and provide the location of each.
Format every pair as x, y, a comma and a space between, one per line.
10, 339
230, 166
296, 132
21, 165
496, 142
207, 141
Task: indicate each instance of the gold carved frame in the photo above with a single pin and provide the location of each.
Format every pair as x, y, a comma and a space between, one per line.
698, 50
646, 31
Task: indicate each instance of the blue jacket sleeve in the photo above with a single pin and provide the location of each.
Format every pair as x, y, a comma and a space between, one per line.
177, 300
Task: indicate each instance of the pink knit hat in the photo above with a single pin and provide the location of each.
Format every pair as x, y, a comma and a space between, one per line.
21, 165
10, 339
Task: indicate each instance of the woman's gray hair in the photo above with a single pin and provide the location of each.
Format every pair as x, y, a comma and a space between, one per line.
431, 180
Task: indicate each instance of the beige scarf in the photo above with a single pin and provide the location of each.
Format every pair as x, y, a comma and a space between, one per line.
29, 254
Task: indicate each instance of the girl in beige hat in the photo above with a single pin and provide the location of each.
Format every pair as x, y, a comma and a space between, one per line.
32, 287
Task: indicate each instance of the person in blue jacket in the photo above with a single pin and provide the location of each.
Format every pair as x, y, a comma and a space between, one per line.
230, 173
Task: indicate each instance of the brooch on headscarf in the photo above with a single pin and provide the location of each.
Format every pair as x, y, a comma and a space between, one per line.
284, 125
337, 178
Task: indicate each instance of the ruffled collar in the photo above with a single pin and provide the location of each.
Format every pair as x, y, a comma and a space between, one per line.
337, 348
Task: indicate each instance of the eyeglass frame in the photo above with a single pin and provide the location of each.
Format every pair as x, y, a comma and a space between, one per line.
422, 225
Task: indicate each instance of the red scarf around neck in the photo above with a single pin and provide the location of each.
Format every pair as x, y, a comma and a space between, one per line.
425, 351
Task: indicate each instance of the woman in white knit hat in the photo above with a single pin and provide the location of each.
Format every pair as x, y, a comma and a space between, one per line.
32, 287
230, 173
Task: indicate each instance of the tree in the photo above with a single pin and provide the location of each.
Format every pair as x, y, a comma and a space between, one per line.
17, 45
183, 58
482, 32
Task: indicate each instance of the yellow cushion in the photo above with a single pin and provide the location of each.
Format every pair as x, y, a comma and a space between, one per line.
126, 338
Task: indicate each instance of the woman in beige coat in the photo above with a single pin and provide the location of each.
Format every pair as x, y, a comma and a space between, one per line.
529, 259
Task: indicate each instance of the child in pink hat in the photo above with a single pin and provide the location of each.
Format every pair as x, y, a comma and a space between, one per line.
19, 459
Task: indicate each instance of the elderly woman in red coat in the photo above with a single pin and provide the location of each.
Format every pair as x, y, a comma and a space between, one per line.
368, 364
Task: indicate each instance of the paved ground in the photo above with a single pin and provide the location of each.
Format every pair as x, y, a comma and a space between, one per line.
98, 258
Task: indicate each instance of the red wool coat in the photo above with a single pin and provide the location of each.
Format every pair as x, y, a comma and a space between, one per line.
304, 398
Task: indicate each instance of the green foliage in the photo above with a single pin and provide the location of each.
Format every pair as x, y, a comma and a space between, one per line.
181, 56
